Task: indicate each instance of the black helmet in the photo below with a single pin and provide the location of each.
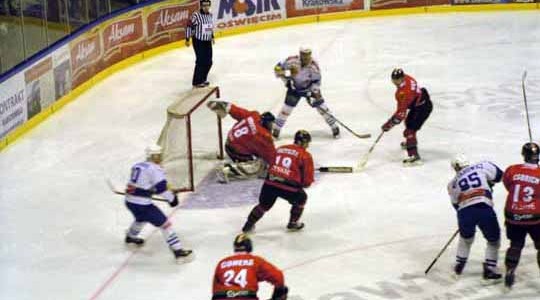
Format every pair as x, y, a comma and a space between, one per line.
242, 242
397, 74
302, 137
205, 2
530, 152
267, 119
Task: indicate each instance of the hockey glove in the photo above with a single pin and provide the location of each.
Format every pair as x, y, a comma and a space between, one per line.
174, 202
290, 84
280, 293
390, 123
219, 107
278, 71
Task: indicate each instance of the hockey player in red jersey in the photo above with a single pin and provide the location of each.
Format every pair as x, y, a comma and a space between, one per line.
414, 106
522, 210
238, 276
249, 140
291, 172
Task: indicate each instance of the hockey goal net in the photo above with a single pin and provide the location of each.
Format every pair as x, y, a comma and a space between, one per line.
191, 139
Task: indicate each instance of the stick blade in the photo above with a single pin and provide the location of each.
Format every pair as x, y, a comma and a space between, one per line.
363, 136
336, 169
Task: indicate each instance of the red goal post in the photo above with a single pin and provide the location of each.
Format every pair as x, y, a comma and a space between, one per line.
189, 138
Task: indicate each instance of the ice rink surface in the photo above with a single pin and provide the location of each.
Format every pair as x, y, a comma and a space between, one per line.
368, 235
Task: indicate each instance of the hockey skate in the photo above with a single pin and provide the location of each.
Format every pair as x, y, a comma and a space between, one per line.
458, 269
183, 255
222, 174
295, 226
335, 132
413, 160
275, 133
134, 241
491, 275
509, 279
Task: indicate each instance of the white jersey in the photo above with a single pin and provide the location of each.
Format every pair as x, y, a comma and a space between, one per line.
472, 185
147, 179
308, 78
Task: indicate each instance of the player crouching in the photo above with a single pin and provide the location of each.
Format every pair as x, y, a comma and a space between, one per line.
249, 142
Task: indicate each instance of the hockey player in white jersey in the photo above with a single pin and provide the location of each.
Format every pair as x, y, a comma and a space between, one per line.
471, 195
302, 78
147, 179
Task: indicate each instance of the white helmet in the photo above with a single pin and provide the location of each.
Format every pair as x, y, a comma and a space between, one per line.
153, 150
459, 162
305, 50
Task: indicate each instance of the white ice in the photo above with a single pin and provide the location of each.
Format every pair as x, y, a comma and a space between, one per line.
368, 235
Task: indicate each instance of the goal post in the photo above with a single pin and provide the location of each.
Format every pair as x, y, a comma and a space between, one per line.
191, 138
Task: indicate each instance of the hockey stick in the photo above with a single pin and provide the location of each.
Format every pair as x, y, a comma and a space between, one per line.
335, 169
525, 101
358, 135
442, 251
365, 158
119, 192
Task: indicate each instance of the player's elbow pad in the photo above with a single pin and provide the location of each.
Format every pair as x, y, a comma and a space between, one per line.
160, 187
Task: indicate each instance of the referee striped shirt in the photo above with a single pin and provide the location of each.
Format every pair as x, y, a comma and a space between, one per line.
201, 26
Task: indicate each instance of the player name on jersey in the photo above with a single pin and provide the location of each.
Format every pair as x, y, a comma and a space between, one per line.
526, 178
236, 263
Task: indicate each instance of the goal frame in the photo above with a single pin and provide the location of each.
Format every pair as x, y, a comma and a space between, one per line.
187, 116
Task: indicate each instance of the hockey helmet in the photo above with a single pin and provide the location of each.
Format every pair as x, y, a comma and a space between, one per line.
205, 3
242, 242
397, 73
154, 149
459, 162
305, 56
530, 152
302, 137
267, 120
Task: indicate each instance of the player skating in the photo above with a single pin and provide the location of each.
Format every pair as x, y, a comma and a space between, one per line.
302, 78
291, 172
147, 178
522, 210
471, 195
414, 106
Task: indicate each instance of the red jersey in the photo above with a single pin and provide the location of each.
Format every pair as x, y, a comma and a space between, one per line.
239, 275
293, 166
249, 137
523, 201
407, 94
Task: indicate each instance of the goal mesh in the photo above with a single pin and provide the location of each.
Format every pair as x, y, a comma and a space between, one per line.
191, 139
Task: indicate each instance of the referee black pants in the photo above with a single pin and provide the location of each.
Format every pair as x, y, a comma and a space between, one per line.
203, 62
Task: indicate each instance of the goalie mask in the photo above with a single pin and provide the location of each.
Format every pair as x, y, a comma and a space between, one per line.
242, 243
267, 120
530, 152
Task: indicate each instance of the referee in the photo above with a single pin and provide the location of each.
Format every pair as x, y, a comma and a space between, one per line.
201, 29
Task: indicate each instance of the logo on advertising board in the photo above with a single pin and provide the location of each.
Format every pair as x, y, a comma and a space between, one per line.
85, 52
12, 104
166, 20
304, 4
123, 31
383, 3
234, 13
